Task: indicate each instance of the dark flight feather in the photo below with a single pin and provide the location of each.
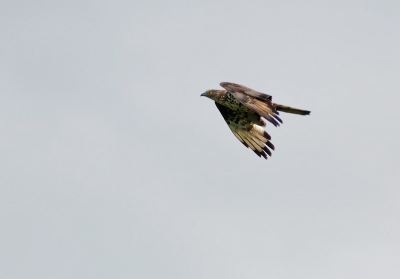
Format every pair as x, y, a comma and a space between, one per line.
246, 130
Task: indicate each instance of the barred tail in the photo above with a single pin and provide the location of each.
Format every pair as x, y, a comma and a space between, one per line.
291, 110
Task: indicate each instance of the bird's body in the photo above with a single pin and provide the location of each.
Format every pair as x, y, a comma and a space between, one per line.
243, 109
228, 100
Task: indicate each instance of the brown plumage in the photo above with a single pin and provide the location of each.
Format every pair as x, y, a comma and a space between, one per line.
243, 109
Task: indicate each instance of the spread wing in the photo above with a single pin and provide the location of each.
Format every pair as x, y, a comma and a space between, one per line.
254, 100
247, 127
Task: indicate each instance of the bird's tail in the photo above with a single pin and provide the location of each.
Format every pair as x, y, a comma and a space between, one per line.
291, 110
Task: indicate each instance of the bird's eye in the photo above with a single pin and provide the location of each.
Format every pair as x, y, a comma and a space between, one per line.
211, 93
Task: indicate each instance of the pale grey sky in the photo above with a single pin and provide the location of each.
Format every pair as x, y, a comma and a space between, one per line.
114, 167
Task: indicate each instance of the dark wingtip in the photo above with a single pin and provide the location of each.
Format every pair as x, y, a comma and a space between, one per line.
257, 152
267, 151
264, 155
274, 119
261, 154
270, 145
277, 118
266, 135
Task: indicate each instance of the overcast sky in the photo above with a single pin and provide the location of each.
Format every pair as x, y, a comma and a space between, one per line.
112, 166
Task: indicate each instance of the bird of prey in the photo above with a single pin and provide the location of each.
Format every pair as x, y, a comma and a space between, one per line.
243, 109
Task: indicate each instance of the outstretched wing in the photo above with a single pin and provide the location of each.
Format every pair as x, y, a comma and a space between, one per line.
254, 100
245, 125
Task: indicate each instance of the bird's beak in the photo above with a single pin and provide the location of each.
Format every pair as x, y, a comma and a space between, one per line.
203, 94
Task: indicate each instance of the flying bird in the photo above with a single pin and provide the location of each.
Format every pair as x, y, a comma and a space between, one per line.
244, 109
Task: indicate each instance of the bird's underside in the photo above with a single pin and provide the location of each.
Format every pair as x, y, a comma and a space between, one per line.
243, 109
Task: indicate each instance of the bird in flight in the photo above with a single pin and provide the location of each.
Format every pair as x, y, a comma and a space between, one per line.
243, 109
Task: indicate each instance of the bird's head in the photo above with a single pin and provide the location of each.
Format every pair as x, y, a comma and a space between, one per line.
213, 94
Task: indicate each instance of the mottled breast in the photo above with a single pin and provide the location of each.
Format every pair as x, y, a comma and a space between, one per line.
228, 100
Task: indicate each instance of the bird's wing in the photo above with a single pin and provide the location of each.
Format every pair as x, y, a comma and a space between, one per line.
254, 100
243, 126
